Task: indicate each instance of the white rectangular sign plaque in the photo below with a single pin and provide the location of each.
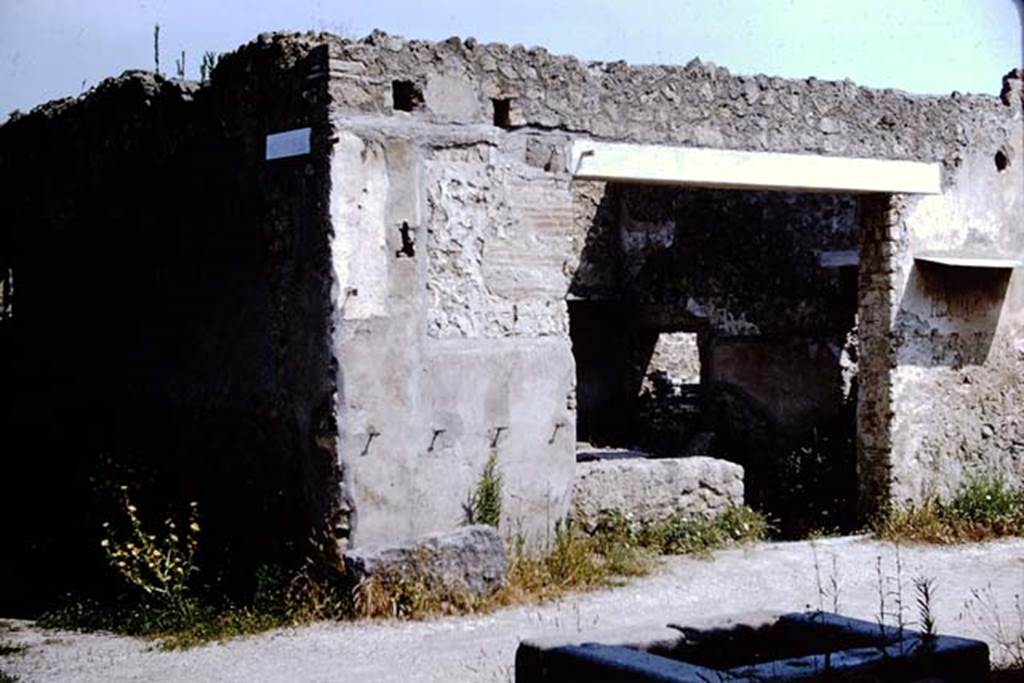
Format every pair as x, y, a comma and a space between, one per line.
290, 143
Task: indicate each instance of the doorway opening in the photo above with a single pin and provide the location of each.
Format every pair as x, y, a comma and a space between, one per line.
721, 323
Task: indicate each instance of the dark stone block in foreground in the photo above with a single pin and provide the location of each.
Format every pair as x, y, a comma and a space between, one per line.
813, 646
470, 560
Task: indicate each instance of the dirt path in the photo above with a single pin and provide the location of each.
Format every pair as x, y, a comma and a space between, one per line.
770, 576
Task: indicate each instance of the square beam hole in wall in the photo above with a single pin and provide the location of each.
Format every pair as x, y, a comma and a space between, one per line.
406, 96
502, 112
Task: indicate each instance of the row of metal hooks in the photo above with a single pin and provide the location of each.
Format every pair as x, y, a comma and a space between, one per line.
495, 435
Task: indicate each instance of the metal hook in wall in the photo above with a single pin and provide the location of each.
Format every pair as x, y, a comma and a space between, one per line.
558, 426
497, 435
370, 436
347, 294
579, 161
433, 439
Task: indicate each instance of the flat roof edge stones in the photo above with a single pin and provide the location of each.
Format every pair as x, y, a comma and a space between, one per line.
731, 169
965, 261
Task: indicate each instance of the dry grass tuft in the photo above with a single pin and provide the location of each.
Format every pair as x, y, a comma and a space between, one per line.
410, 595
983, 509
615, 549
577, 559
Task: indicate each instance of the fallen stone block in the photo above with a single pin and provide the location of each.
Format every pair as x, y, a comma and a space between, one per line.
649, 489
470, 560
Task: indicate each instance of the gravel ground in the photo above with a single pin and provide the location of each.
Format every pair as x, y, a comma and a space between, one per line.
768, 576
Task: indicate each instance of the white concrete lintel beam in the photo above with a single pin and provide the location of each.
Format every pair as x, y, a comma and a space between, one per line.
667, 165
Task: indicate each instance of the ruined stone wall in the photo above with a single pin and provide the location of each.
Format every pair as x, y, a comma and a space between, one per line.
172, 313
941, 346
480, 284
957, 390
698, 104
452, 342
347, 335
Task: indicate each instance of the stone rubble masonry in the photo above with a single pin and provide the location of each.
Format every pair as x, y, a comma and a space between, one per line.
698, 104
651, 489
875, 353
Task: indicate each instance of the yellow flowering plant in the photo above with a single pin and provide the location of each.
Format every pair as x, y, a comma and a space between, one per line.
160, 566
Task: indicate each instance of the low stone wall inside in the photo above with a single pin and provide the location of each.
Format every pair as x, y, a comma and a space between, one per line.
649, 489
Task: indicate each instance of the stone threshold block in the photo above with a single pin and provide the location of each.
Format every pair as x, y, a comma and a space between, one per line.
648, 489
470, 560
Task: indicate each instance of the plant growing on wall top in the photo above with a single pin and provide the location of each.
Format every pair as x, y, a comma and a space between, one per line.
179, 66
156, 48
209, 61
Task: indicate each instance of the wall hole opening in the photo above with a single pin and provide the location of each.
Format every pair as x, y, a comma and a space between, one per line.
406, 96
1002, 160
502, 112
408, 248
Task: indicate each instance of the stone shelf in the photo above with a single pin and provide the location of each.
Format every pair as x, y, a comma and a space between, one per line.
969, 261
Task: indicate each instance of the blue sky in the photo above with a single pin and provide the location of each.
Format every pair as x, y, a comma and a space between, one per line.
53, 48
